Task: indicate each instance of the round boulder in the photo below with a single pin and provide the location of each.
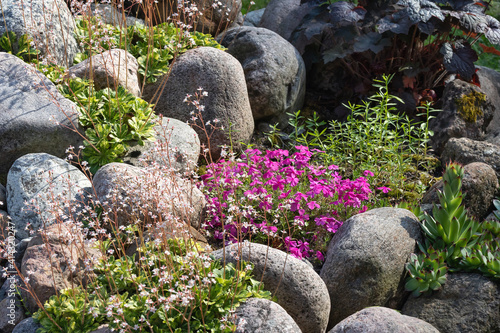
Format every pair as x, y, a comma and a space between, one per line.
110, 69
227, 115
177, 146
274, 71
147, 194
382, 320
479, 185
284, 16
34, 116
258, 315
468, 302
48, 22
297, 287
39, 186
365, 261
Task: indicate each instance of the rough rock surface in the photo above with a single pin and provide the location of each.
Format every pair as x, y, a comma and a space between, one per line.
468, 302
274, 72
55, 260
452, 123
479, 184
3, 197
177, 145
28, 325
29, 115
465, 151
110, 69
297, 287
284, 16
252, 19
365, 261
38, 186
222, 77
110, 15
11, 313
258, 315
125, 188
48, 22
382, 320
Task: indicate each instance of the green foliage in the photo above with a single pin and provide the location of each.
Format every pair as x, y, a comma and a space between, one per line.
374, 137
153, 47
427, 271
469, 106
112, 120
453, 240
20, 47
126, 290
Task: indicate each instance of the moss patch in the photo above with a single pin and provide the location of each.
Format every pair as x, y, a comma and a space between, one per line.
469, 106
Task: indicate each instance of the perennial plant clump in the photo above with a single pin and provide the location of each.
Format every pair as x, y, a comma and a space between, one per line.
282, 199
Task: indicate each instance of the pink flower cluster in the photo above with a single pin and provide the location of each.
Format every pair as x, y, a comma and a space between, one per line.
282, 199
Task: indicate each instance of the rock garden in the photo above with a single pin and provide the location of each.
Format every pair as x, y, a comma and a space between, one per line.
228, 166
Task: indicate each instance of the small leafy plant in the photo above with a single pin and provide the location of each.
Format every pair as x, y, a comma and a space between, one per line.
20, 47
175, 289
453, 241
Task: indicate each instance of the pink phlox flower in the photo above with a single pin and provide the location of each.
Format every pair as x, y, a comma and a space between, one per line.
299, 196
277, 153
313, 205
333, 225
384, 189
333, 167
265, 204
294, 206
284, 195
368, 173
320, 256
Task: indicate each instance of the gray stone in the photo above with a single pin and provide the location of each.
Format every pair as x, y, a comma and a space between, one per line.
111, 69
479, 184
222, 77
468, 302
9, 287
109, 14
451, 123
38, 186
296, 286
48, 22
257, 315
465, 151
122, 188
490, 85
11, 313
274, 71
21, 247
177, 145
28, 325
284, 16
3, 197
365, 261
252, 19
382, 320
56, 258
31, 108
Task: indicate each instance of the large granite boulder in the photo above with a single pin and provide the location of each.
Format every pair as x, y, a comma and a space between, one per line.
459, 118
40, 188
382, 320
111, 69
274, 71
284, 16
221, 76
11, 313
479, 184
48, 22
296, 286
145, 195
365, 261
57, 258
468, 302
258, 315
177, 146
34, 116
252, 19
28, 325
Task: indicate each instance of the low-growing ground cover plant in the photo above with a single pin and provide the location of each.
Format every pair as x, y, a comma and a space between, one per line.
282, 199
